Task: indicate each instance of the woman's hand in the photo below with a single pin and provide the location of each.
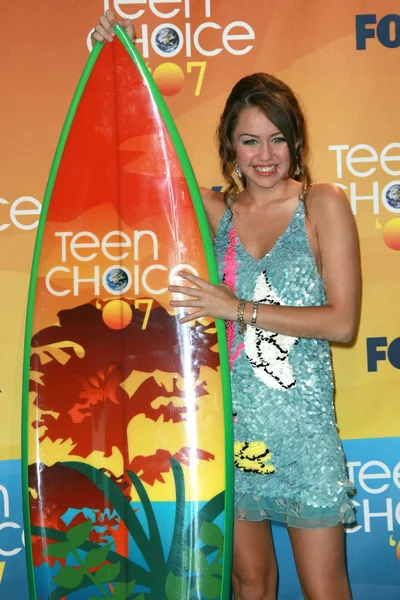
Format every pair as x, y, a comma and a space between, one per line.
104, 32
217, 301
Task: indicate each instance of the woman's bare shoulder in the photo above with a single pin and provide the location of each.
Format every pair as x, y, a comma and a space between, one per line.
214, 205
329, 209
325, 200
212, 196
321, 194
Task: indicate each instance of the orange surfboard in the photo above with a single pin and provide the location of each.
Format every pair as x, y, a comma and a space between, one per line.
127, 447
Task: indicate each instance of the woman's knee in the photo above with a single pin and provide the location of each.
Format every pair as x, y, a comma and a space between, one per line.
325, 589
256, 583
320, 562
254, 572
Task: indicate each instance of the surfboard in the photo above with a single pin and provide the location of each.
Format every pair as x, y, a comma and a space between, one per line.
127, 442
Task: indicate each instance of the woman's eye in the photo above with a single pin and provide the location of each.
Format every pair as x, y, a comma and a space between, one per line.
278, 140
249, 142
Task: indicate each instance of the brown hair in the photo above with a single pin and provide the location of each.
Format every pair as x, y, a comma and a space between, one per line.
280, 105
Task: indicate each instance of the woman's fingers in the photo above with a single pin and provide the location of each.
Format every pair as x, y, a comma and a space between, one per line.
127, 25
97, 37
109, 15
107, 26
195, 315
188, 291
192, 278
100, 34
188, 303
104, 31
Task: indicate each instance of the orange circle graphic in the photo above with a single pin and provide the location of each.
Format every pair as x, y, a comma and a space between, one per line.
117, 314
391, 234
169, 78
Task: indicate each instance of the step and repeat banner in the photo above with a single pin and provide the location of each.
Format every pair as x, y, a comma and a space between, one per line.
342, 58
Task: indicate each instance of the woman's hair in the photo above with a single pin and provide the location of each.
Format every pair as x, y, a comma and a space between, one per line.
279, 104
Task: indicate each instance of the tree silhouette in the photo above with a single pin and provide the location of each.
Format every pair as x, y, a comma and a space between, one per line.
78, 370
81, 398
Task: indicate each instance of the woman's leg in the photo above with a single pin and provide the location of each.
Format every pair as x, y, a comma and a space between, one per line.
320, 561
254, 573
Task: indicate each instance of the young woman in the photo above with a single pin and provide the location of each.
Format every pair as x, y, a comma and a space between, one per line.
287, 255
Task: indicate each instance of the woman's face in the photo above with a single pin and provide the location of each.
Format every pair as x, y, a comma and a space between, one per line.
261, 150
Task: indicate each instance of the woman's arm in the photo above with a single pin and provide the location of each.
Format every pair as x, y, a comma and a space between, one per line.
214, 206
337, 239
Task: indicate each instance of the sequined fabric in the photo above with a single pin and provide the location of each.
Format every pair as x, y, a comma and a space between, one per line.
282, 388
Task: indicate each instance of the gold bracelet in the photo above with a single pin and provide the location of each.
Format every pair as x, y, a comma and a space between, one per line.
240, 316
255, 313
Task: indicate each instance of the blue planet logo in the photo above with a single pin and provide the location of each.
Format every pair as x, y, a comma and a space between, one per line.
393, 196
167, 40
117, 280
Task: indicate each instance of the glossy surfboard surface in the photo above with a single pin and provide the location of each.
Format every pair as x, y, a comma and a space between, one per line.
127, 447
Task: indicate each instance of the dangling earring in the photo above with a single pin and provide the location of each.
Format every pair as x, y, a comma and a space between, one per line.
238, 171
298, 170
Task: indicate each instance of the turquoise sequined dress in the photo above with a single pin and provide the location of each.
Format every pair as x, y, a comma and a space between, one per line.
290, 465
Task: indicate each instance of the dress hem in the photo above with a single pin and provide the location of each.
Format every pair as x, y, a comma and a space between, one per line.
253, 508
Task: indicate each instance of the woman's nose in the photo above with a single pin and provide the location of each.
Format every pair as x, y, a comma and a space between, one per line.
265, 152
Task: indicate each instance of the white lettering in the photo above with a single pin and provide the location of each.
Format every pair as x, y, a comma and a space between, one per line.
339, 158
95, 279
144, 40
124, 242
50, 287
75, 244
388, 514
167, 15
4, 225
396, 475
188, 40
144, 279
63, 235
227, 37
350, 468
187, 9
136, 237
196, 39
6, 501
385, 158
136, 282
354, 198
16, 550
125, 15
15, 212
174, 278
350, 159
363, 475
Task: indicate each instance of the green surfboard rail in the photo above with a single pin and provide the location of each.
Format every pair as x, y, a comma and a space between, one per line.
213, 277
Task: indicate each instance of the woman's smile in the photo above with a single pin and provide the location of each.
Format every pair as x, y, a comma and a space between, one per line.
261, 150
